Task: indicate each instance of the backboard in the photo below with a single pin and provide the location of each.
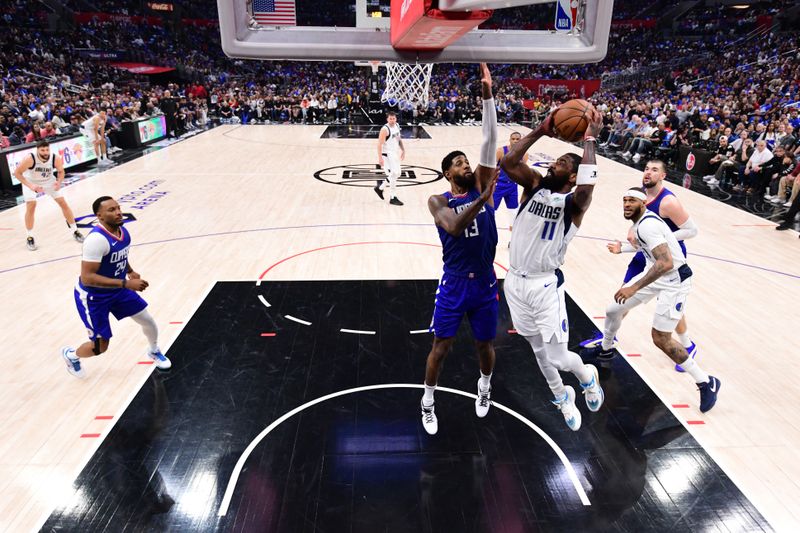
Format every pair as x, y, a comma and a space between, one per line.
359, 30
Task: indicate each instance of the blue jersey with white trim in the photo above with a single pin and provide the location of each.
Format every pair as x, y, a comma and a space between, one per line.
114, 264
655, 206
473, 251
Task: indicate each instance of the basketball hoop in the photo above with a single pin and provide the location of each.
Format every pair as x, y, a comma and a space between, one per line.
407, 84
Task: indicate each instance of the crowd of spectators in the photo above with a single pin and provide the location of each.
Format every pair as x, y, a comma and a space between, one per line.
732, 104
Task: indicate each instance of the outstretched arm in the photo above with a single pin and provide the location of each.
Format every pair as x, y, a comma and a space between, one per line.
455, 224
488, 161
516, 166
587, 170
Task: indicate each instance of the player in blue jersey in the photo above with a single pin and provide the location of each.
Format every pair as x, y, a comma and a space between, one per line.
108, 284
666, 205
464, 218
507, 190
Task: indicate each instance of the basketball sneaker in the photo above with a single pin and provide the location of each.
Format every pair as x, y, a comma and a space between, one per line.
160, 360
77, 235
595, 341
378, 191
692, 351
597, 352
429, 421
73, 362
708, 393
567, 407
592, 391
483, 402
395, 201
31, 244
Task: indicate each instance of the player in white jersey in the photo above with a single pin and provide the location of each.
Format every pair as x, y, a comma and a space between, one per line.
390, 153
667, 277
94, 128
43, 173
546, 222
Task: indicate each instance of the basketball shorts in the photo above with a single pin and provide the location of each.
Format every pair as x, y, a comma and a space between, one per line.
95, 307
49, 189
476, 297
392, 164
670, 292
537, 305
506, 190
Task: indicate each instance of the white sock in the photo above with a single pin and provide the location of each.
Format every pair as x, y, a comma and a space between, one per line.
427, 398
149, 328
382, 186
693, 369
72, 355
28, 232
684, 339
485, 381
72, 227
608, 341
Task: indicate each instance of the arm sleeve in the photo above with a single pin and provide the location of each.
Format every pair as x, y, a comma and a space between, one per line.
489, 146
687, 230
94, 248
652, 233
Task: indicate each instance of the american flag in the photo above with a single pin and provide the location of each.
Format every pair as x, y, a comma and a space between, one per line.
275, 12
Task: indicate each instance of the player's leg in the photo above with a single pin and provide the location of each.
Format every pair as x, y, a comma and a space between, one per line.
128, 303
614, 315
447, 316
483, 320
68, 215
150, 330
30, 211
94, 315
395, 170
635, 267
670, 308
563, 395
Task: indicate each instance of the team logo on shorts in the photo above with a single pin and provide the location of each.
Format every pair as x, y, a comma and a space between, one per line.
679, 306
564, 325
366, 175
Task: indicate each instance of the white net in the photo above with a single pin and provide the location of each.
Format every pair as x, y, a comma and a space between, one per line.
407, 85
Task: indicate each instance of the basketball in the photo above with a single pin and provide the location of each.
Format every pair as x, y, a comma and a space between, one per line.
571, 120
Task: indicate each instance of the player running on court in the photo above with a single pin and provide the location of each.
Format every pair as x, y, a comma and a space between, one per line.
668, 278
666, 205
109, 285
548, 219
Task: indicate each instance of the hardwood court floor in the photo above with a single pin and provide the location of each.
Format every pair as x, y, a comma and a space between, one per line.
227, 204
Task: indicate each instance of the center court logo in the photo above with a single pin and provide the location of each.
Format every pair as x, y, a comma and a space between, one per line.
366, 175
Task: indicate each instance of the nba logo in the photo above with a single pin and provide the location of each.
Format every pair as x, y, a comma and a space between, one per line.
566, 15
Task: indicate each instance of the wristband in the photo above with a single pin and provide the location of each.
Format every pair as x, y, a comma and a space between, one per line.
587, 139
123, 282
587, 174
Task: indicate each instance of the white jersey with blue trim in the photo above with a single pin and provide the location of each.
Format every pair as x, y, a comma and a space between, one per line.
391, 145
543, 228
652, 231
42, 172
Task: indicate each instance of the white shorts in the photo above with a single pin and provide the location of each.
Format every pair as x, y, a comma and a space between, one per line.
671, 303
89, 134
392, 164
49, 189
537, 305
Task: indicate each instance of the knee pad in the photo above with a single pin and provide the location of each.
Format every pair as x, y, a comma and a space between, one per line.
96, 349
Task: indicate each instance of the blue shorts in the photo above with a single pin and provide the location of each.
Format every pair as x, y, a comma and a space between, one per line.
95, 307
459, 295
506, 190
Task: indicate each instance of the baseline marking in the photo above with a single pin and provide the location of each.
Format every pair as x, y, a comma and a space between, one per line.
237, 470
